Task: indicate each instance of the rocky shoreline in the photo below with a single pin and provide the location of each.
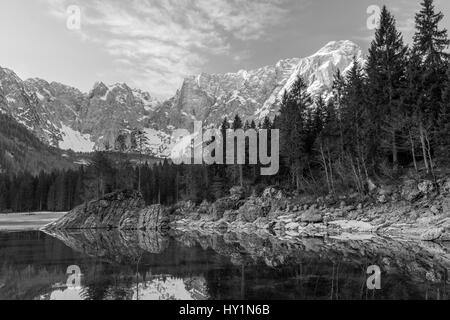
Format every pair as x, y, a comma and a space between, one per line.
411, 210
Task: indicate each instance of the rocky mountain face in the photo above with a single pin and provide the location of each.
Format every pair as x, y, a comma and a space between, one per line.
253, 94
25, 107
64, 117
67, 118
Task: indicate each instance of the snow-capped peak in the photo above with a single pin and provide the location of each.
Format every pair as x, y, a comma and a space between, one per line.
64, 116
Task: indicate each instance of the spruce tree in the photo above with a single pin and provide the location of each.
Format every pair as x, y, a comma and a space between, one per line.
430, 43
357, 128
413, 106
386, 71
444, 122
4, 190
140, 145
293, 129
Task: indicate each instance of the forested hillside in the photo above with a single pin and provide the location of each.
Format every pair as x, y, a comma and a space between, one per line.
20, 150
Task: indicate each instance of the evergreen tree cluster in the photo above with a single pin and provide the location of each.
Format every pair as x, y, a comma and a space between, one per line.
385, 115
20, 150
62, 190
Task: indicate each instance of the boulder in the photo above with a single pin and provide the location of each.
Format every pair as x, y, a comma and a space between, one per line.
204, 208
312, 216
446, 185
292, 226
371, 186
184, 207
279, 195
410, 192
382, 198
230, 216
155, 217
221, 225
435, 210
237, 193
270, 192
432, 234
220, 206
274, 214
116, 210
251, 211
446, 206
385, 190
426, 187
262, 223
445, 235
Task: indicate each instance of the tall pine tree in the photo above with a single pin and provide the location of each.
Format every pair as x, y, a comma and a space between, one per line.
386, 71
430, 43
292, 122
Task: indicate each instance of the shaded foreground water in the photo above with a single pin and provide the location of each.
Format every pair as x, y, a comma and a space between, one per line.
194, 265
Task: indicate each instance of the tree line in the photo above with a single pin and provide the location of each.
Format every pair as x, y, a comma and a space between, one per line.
162, 182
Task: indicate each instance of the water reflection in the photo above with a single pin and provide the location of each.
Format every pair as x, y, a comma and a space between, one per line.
137, 265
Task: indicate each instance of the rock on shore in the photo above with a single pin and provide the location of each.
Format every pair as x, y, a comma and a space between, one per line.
124, 210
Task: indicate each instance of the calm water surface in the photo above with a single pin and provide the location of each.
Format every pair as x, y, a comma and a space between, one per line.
33, 265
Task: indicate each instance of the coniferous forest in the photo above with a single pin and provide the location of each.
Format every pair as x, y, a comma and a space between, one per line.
385, 118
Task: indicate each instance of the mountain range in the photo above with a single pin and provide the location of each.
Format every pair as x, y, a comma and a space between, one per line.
64, 117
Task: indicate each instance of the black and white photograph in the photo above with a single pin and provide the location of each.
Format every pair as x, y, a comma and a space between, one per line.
211, 151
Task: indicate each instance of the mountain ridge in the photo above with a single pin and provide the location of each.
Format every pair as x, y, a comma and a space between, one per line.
65, 117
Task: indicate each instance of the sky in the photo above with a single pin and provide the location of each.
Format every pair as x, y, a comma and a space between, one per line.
154, 44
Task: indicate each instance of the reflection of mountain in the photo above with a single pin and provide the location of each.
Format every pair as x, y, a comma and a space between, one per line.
250, 266
160, 287
169, 288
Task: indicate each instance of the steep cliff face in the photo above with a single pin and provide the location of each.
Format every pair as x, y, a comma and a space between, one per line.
112, 108
256, 93
65, 117
24, 106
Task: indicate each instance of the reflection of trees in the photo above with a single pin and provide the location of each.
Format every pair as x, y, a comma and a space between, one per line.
27, 282
230, 266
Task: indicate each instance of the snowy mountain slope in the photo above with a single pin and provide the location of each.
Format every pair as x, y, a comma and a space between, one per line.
256, 93
65, 117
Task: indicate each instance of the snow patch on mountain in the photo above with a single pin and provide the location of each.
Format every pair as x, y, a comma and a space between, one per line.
158, 143
76, 141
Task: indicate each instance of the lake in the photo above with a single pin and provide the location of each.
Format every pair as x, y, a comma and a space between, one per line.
196, 265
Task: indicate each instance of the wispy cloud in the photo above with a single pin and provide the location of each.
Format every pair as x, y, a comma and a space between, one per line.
404, 12
159, 42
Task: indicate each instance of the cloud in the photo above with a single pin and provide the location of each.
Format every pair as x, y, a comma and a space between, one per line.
404, 12
159, 42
